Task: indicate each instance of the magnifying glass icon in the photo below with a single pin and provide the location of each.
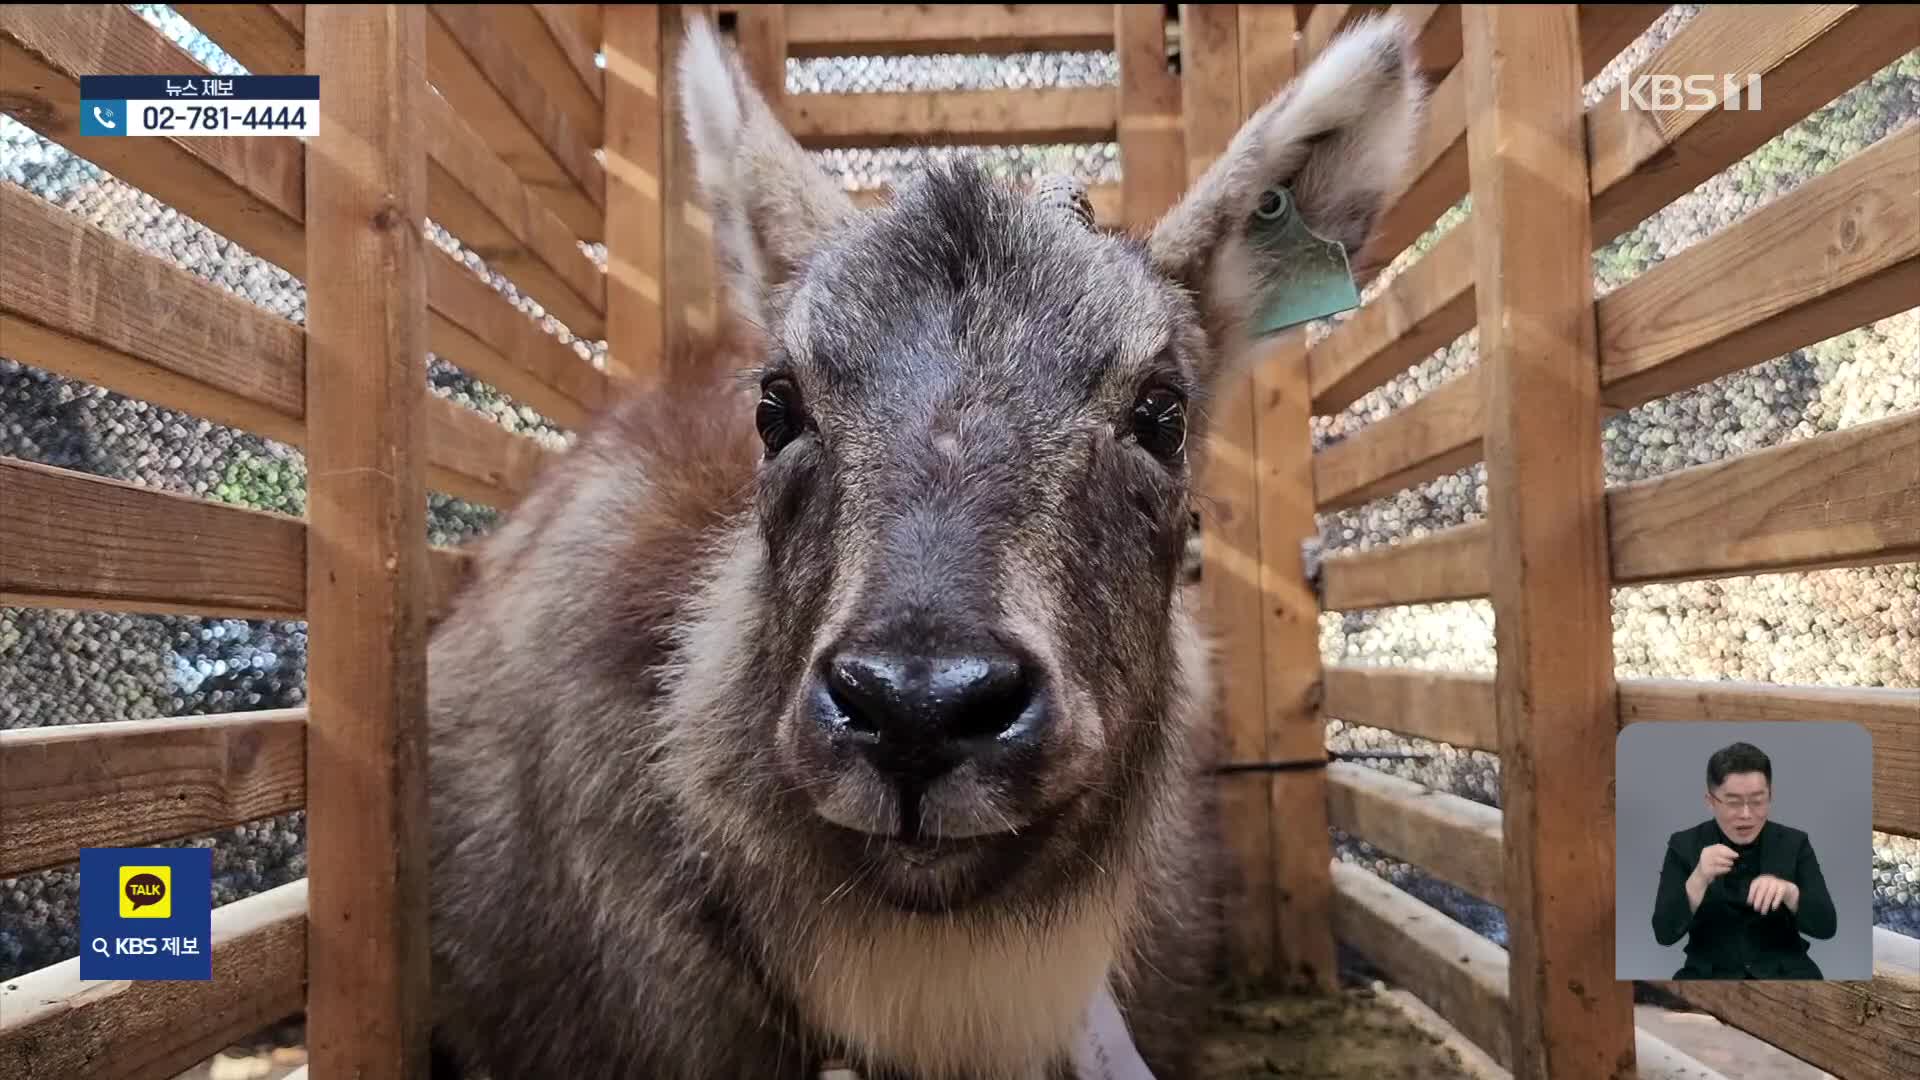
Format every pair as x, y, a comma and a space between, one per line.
100, 946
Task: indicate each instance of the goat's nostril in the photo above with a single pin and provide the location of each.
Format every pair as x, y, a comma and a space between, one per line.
920, 716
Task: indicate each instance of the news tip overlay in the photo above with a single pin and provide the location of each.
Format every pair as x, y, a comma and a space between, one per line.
146, 913
287, 105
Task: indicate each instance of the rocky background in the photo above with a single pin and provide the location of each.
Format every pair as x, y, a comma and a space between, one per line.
1855, 627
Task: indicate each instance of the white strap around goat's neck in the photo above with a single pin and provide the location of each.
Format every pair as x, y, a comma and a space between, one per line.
1105, 1050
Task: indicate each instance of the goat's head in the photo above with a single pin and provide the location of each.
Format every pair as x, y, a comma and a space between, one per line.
979, 416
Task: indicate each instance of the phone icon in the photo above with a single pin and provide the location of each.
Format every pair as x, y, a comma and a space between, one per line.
103, 117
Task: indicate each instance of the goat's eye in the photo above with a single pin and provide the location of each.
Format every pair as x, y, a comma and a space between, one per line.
1160, 421
780, 416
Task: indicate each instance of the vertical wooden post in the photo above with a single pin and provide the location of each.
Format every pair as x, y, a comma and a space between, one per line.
1555, 692
1151, 146
634, 113
688, 293
366, 204
1230, 528
1290, 612
762, 33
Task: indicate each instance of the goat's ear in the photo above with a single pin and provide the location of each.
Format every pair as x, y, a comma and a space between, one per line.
771, 204
1340, 137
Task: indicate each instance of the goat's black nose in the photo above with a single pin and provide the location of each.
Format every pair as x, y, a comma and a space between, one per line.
916, 717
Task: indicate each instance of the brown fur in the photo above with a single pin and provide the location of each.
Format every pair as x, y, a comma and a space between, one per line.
653, 854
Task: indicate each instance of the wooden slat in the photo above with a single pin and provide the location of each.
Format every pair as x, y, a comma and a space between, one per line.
635, 222
1149, 132
480, 74
902, 29
1437, 35
1462, 975
1805, 54
1450, 564
760, 33
80, 541
1105, 197
258, 35
1639, 165
133, 783
55, 1027
78, 301
477, 197
1847, 498
1289, 610
1891, 717
1451, 707
1840, 251
547, 62
1861, 1031
1230, 581
449, 571
368, 990
249, 190
577, 29
478, 329
1421, 311
952, 117
1547, 532
1455, 839
1431, 437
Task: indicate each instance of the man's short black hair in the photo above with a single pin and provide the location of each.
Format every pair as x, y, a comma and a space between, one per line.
1738, 758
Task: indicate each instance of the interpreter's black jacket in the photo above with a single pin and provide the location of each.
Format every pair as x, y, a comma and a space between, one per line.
1726, 937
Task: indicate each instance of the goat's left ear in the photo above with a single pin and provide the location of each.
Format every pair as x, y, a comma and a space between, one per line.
1339, 138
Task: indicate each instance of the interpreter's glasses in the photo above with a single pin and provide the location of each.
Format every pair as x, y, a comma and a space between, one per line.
1757, 803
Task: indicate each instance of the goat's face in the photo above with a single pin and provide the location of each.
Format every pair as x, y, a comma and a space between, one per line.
979, 416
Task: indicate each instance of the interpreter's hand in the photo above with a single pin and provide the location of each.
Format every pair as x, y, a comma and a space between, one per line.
1769, 892
1714, 861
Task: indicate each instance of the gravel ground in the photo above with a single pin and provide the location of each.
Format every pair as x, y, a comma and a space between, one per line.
1854, 627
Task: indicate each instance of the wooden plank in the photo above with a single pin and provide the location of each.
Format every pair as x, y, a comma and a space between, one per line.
1840, 251
475, 196
477, 328
1859, 1030
904, 29
1547, 529
1454, 839
1450, 707
485, 81
1420, 312
1848, 498
74, 540
249, 190
1805, 55
449, 571
760, 31
257, 35
952, 117
133, 783
1436, 29
78, 301
1431, 437
635, 222
1227, 479
367, 570
547, 63
1289, 610
1149, 129
577, 29
1462, 975
54, 1027
1891, 717
1450, 564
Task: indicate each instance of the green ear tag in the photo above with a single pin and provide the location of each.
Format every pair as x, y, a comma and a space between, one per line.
1302, 276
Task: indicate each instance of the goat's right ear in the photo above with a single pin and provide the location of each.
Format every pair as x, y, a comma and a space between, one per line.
771, 204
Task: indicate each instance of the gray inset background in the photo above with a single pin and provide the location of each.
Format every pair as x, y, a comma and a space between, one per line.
1822, 784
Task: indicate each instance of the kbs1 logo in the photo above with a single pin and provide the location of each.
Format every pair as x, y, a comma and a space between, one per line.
146, 913
1656, 92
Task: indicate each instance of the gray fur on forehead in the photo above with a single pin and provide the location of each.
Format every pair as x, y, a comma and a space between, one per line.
964, 265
